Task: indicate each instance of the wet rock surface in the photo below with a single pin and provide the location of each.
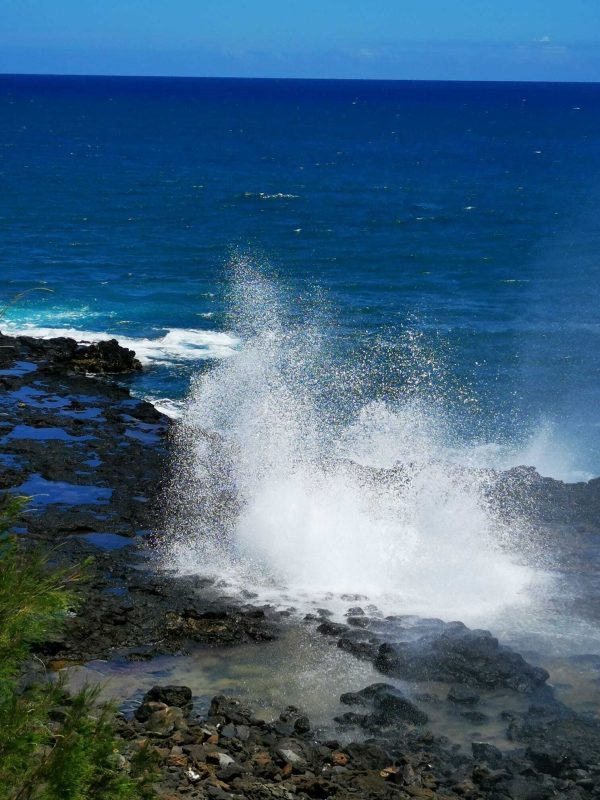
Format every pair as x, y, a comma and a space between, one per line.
457, 654
93, 458
522, 491
387, 705
552, 750
418, 649
154, 616
78, 446
233, 753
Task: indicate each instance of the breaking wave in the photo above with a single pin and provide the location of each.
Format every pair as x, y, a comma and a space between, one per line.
176, 345
290, 480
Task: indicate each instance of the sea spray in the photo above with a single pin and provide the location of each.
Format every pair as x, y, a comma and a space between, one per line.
288, 481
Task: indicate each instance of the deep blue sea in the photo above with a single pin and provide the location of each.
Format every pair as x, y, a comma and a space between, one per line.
463, 216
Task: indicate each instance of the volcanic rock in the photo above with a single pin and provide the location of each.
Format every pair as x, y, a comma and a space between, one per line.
471, 657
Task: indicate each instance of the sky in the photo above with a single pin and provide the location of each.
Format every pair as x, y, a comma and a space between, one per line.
389, 39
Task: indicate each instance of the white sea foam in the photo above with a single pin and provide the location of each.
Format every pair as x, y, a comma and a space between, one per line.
286, 496
273, 196
176, 345
170, 408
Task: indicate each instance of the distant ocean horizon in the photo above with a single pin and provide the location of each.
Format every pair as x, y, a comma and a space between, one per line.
138, 76
441, 232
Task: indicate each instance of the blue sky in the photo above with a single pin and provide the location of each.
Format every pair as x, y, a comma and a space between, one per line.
398, 39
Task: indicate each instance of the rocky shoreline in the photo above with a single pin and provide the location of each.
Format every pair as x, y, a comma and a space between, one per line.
95, 460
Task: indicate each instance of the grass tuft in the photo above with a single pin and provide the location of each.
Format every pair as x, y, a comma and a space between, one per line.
54, 745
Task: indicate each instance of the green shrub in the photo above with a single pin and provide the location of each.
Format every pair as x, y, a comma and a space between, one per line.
53, 745
33, 599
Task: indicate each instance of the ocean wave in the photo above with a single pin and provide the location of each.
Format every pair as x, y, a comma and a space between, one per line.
170, 408
274, 196
176, 345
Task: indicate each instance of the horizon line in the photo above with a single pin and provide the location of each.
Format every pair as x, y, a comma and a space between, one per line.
282, 78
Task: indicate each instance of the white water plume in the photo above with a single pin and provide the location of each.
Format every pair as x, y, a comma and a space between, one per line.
286, 479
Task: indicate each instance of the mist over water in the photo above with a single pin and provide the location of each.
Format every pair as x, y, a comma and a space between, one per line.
302, 477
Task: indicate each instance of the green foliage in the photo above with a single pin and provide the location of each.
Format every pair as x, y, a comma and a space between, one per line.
53, 745
33, 599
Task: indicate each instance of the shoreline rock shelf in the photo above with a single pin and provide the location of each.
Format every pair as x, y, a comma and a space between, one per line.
95, 460
231, 752
76, 443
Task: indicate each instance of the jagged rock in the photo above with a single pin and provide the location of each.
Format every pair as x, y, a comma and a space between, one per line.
387, 703
180, 696
558, 740
105, 358
218, 626
459, 655
229, 709
302, 725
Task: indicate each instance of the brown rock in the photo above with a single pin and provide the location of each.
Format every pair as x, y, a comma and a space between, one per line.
390, 772
139, 744
177, 761
339, 759
60, 663
165, 720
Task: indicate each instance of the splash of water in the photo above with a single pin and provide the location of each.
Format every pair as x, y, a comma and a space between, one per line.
288, 478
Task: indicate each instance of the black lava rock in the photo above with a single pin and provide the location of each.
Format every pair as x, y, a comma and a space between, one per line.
180, 696
459, 655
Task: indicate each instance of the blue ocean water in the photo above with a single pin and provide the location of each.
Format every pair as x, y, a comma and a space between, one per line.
464, 213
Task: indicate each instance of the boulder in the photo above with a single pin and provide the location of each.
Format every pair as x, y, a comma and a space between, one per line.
459, 655
170, 695
107, 357
163, 698
387, 704
229, 710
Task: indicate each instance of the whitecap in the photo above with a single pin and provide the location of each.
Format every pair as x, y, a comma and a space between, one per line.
170, 408
274, 196
176, 345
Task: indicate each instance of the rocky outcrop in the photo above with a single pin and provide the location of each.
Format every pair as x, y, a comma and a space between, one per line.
460, 655
417, 649
385, 705
104, 357
91, 456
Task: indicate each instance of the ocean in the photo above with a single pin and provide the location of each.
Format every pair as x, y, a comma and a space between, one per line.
441, 240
